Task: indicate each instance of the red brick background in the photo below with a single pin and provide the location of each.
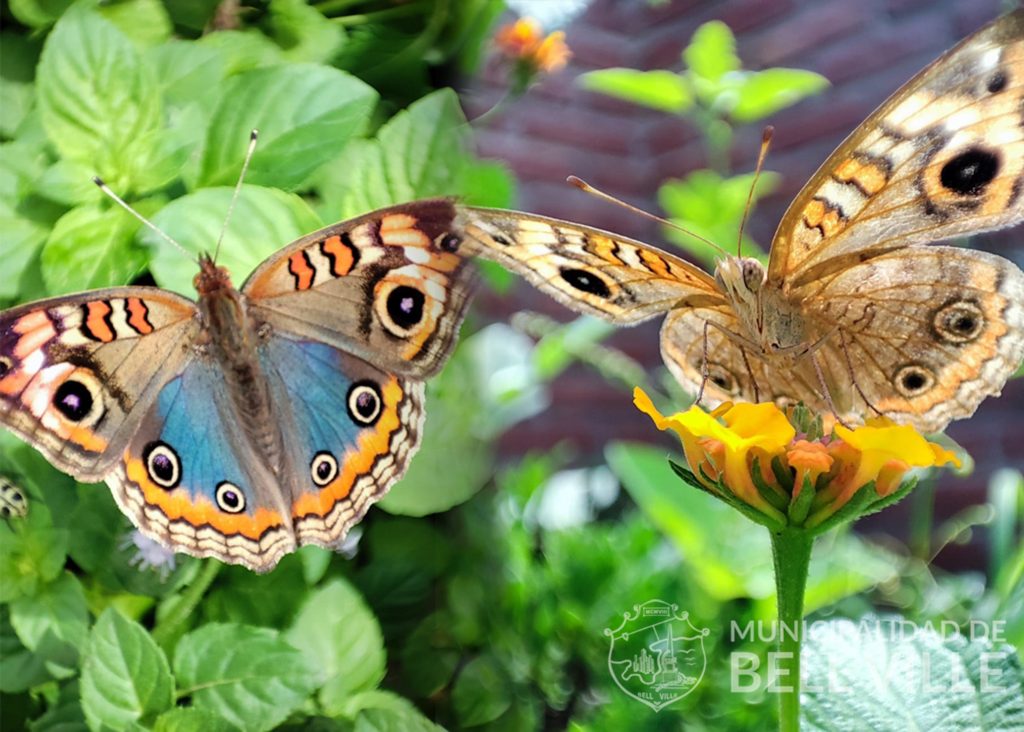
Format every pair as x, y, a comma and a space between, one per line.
867, 50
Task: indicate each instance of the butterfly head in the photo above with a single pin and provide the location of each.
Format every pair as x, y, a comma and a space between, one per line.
211, 278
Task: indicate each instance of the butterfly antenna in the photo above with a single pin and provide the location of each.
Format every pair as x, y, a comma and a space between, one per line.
766, 141
127, 207
253, 136
587, 188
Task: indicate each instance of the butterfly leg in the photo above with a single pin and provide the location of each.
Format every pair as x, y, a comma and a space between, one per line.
853, 377
703, 364
742, 343
826, 393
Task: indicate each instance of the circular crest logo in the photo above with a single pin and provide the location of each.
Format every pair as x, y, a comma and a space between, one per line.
656, 655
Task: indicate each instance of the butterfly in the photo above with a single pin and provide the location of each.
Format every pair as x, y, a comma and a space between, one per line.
853, 312
253, 420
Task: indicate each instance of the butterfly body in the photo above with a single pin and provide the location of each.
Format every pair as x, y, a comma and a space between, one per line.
253, 420
855, 309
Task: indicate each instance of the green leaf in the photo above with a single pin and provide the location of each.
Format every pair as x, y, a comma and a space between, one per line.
63, 714
481, 692
264, 220
91, 247
31, 556
20, 242
305, 114
430, 656
249, 676
763, 93
54, 624
189, 719
125, 676
38, 13
712, 51
20, 668
338, 634
901, 676
303, 32
243, 50
420, 152
145, 22
433, 481
384, 711
662, 90
99, 103
18, 98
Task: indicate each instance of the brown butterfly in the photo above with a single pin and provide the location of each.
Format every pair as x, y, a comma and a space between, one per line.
852, 311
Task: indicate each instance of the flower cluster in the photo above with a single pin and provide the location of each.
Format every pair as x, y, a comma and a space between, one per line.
524, 44
753, 457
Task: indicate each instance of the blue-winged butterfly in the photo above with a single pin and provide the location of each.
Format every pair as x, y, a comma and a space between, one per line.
257, 419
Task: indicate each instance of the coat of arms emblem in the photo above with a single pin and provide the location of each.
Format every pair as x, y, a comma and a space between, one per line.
656, 655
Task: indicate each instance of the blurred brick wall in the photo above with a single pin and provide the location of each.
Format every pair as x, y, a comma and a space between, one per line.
866, 49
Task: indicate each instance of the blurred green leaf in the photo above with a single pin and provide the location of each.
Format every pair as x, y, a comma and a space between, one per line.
125, 676
481, 692
64, 713
190, 719
18, 96
384, 711
712, 206
430, 656
91, 247
145, 22
31, 556
303, 32
54, 624
20, 668
764, 93
243, 50
340, 637
663, 90
305, 114
421, 151
249, 676
264, 220
712, 51
38, 13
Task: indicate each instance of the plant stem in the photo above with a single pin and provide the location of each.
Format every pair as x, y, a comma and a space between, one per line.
187, 602
791, 551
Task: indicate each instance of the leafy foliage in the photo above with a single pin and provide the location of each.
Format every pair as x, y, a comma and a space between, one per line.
489, 615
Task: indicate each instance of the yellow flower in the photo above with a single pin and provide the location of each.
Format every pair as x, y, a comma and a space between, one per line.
750, 452
750, 430
524, 43
809, 459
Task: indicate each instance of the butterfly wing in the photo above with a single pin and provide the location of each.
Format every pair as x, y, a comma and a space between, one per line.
191, 479
352, 429
77, 372
943, 156
933, 330
588, 270
390, 287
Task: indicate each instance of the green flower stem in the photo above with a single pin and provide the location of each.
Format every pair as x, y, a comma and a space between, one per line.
187, 602
791, 552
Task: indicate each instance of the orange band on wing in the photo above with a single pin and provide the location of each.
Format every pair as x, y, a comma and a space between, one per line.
137, 316
96, 324
358, 462
300, 268
342, 256
178, 506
